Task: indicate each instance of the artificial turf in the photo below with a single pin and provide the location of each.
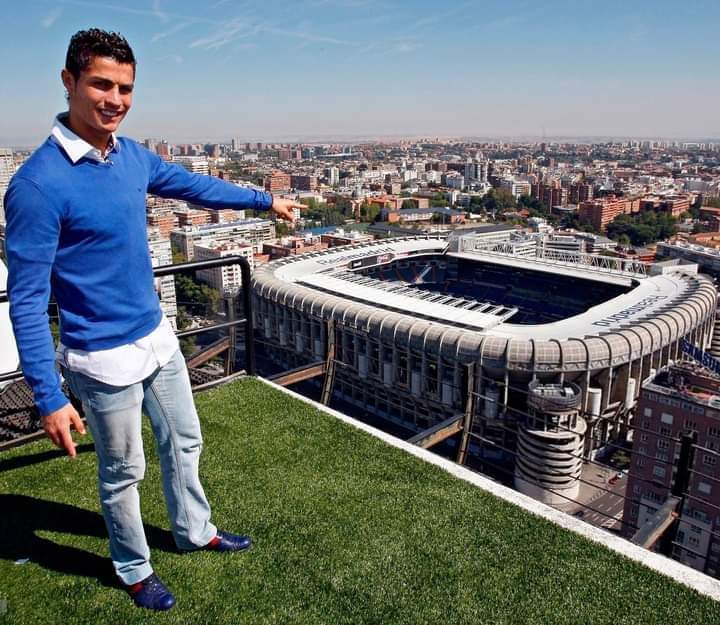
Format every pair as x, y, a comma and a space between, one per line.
347, 530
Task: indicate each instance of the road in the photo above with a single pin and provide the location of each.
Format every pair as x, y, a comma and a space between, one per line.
594, 505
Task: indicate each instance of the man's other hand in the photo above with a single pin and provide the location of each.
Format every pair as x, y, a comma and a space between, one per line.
284, 208
57, 426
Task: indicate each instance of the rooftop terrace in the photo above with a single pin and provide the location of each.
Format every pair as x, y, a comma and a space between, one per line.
348, 529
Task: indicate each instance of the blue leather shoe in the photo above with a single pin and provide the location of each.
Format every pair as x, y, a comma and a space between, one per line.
151, 593
225, 541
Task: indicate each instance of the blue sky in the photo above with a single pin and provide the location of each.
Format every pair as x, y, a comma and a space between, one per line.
330, 68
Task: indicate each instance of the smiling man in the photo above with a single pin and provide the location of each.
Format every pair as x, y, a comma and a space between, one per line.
76, 226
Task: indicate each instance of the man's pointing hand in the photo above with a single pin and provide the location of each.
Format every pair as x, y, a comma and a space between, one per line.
57, 426
284, 208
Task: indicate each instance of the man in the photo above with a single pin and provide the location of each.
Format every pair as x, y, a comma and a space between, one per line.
76, 223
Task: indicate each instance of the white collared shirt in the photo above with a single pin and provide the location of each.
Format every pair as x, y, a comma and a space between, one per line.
126, 364
75, 147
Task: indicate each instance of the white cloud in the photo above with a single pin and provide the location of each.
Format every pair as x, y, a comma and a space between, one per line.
51, 17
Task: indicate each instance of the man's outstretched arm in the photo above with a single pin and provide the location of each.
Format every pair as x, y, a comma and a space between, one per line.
174, 181
32, 231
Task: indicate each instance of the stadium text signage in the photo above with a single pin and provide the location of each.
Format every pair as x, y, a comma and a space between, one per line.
339, 260
705, 359
633, 310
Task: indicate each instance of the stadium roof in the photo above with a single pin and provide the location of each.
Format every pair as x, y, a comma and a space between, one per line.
327, 272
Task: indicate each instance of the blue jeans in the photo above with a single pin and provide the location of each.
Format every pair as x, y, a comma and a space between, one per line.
114, 416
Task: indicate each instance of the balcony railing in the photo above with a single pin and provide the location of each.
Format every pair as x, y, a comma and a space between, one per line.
246, 321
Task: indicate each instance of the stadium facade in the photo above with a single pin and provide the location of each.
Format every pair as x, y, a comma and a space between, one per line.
407, 317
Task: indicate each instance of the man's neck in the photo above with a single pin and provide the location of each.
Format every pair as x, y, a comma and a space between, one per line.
100, 142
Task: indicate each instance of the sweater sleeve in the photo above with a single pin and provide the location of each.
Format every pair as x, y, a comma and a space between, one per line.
173, 181
32, 233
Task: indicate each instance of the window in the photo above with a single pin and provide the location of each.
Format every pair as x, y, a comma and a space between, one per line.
709, 460
663, 443
665, 431
690, 424
659, 471
704, 488
647, 412
643, 438
666, 418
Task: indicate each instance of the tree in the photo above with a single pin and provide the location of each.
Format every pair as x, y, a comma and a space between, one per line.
369, 212
535, 207
196, 296
647, 227
498, 200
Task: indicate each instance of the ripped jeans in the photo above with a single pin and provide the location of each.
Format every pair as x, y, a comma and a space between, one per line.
114, 416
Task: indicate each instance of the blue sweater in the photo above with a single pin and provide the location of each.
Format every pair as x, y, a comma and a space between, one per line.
80, 230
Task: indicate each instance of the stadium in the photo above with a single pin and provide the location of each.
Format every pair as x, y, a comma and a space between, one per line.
407, 316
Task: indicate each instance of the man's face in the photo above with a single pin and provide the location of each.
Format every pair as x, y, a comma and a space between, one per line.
99, 99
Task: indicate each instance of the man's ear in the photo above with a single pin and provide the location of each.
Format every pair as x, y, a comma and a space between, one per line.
68, 80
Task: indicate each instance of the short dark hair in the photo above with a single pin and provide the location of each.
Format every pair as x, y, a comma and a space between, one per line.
85, 45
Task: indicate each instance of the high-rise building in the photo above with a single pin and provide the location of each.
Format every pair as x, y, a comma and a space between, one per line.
163, 149
600, 212
674, 205
516, 187
193, 217
277, 181
160, 213
7, 169
161, 254
303, 183
194, 164
333, 176
253, 231
228, 279
681, 398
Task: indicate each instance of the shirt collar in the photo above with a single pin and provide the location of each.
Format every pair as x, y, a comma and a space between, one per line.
75, 147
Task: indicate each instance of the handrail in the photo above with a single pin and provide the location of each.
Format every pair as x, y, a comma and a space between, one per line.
189, 268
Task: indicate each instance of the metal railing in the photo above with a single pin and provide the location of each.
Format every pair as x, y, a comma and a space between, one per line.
230, 325
553, 256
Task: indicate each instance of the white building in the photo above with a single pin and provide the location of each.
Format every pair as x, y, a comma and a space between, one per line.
254, 231
454, 180
194, 164
161, 254
9, 359
7, 169
516, 187
333, 176
225, 279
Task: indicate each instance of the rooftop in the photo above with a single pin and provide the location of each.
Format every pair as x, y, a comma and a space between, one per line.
348, 529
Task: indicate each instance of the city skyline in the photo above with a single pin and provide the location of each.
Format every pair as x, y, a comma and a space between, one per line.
352, 69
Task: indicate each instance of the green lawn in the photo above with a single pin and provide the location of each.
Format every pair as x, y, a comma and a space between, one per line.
347, 530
